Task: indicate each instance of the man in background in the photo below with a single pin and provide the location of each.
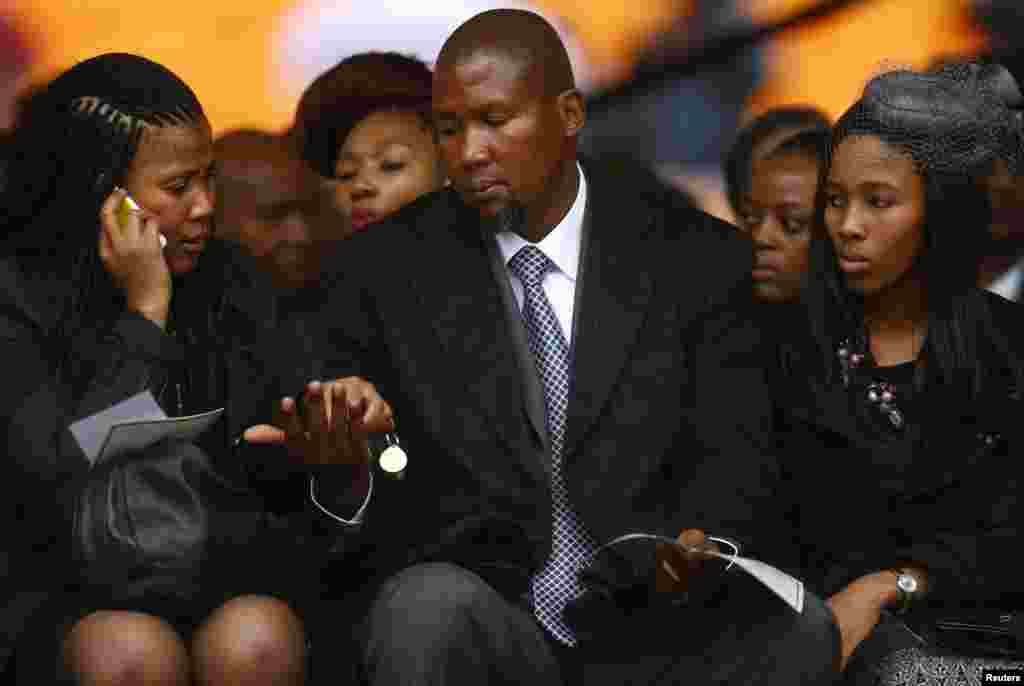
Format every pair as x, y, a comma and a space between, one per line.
274, 206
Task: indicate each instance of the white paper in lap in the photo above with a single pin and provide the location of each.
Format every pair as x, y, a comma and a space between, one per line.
131, 436
92, 432
789, 588
135, 424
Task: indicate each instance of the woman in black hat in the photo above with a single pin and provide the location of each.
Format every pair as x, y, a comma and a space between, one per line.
900, 406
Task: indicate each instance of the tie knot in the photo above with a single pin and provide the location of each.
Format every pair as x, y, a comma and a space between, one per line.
530, 265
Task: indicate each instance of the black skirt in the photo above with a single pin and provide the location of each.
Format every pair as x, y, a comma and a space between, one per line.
268, 568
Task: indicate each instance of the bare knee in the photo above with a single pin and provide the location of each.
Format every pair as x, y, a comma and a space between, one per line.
121, 647
252, 640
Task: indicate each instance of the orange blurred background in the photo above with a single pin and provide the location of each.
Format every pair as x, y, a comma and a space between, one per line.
229, 50
829, 63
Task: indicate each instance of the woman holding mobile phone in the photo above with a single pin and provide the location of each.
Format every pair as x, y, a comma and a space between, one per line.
103, 299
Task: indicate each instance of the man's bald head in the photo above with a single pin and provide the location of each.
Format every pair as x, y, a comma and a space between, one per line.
256, 166
507, 115
271, 202
519, 36
248, 156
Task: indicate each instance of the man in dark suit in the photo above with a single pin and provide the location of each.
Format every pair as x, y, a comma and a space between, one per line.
570, 356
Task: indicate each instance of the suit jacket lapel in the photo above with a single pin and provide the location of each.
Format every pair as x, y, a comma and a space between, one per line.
533, 391
613, 292
457, 287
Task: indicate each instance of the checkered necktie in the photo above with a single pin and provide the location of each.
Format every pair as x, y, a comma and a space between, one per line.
556, 583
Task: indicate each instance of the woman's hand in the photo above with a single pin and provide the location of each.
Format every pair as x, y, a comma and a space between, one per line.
132, 255
858, 608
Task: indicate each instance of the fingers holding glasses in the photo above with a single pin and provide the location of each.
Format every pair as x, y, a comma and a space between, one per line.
696, 545
678, 565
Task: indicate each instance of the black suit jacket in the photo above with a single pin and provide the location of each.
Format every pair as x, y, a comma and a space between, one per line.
668, 405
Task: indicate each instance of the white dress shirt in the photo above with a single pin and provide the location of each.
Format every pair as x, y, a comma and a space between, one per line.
1008, 284
561, 246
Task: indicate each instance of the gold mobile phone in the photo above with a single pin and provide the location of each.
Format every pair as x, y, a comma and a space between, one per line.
126, 207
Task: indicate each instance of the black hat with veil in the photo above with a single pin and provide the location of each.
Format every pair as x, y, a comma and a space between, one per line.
947, 122
956, 130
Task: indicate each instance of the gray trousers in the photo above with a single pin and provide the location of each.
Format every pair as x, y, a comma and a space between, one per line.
441, 625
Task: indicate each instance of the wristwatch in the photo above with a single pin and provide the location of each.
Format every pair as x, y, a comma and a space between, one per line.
906, 590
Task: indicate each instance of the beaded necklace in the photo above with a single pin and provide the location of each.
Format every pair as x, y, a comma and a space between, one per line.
880, 394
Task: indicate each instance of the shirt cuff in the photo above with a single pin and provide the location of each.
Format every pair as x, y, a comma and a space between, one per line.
357, 518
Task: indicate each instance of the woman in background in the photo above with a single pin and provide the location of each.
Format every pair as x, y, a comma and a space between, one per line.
1002, 264
777, 211
771, 174
366, 127
761, 134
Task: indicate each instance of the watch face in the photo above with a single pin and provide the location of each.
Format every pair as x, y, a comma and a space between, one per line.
906, 583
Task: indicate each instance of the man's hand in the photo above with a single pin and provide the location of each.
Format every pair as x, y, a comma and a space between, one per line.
676, 567
858, 607
337, 418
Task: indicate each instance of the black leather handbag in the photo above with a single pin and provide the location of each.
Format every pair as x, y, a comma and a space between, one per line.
143, 521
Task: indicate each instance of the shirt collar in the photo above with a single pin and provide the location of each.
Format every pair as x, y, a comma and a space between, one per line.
562, 244
1009, 283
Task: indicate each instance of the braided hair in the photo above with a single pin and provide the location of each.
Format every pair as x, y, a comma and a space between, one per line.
77, 142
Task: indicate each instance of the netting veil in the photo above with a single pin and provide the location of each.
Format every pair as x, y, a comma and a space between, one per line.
947, 122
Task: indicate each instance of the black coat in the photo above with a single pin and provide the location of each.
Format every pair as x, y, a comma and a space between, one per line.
43, 467
667, 411
864, 500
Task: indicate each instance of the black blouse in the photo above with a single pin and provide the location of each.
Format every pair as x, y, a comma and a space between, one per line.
866, 496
